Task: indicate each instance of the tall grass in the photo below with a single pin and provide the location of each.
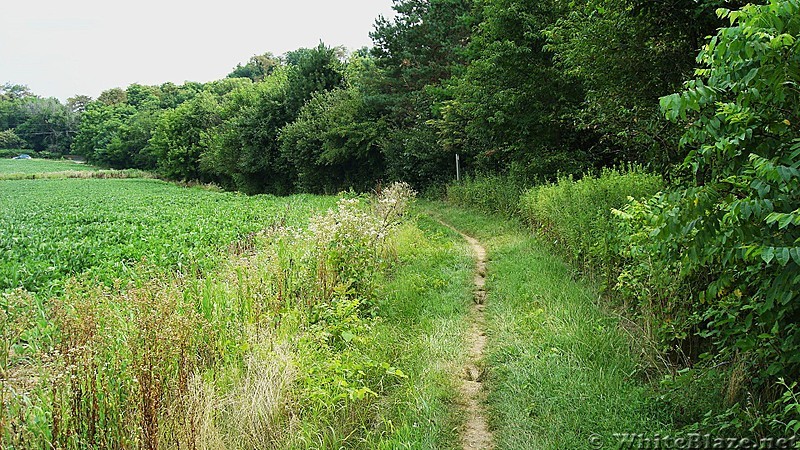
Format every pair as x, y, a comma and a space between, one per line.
82, 174
494, 194
576, 215
40, 166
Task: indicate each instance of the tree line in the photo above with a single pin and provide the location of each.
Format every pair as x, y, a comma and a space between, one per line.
527, 88
39, 124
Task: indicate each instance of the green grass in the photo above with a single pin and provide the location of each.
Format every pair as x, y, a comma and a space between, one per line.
36, 166
561, 368
279, 343
266, 347
577, 216
419, 325
495, 194
423, 310
52, 229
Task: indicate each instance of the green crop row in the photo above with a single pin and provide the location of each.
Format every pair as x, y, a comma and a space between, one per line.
53, 229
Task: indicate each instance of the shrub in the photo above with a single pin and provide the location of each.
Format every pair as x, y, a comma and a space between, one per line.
577, 215
737, 227
9, 139
729, 239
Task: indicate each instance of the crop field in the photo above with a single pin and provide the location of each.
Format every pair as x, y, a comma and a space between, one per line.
102, 228
37, 166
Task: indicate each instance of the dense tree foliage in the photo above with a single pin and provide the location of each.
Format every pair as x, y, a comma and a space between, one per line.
31, 122
257, 68
181, 136
48, 125
100, 137
245, 153
417, 52
743, 141
512, 108
648, 49
332, 145
513, 86
117, 129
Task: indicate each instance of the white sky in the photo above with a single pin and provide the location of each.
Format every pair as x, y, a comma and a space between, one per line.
60, 48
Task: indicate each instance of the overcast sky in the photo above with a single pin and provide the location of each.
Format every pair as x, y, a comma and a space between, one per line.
61, 48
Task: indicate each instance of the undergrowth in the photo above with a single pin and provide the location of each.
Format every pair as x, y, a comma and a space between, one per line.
494, 194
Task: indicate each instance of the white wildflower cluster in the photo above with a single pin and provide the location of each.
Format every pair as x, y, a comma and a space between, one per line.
393, 201
349, 223
347, 244
352, 236
285, 232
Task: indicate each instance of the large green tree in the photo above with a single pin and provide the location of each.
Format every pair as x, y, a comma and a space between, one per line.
113, 96
101, 125
49, 125
180, 138
512, 109
417, 52
10, 92
333, 145
257, 68
627, 54
42, 124
244, 150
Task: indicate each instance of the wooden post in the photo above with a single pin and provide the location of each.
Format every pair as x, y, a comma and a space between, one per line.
458, 168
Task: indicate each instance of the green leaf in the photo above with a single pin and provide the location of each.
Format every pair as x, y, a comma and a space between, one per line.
784, 221
348, 336
767, 254
795, 254
782, 256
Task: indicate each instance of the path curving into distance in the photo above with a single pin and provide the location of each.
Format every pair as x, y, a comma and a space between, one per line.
475, 434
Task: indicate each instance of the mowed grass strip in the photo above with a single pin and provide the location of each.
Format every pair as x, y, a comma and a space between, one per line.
36, 166
561, 370
423, 308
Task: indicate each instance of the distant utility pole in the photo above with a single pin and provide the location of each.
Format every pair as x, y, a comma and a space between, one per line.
458, 168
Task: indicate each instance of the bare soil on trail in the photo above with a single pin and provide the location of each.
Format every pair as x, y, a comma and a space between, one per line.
475, 435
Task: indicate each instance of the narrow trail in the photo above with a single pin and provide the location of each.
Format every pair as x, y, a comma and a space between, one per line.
476, 434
